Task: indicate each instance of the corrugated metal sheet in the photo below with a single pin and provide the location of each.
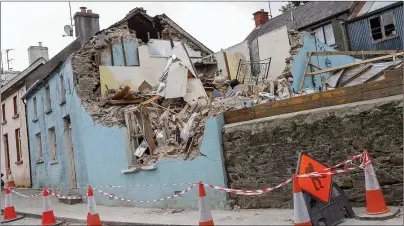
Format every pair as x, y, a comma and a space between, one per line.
372, 6
360, 37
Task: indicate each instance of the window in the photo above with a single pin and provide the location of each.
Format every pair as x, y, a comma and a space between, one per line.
7, 154
3, 112
325, 34
62, 90
48, 103
382, 26
38, 148
18, 144
35, 108
52, 144
15, 106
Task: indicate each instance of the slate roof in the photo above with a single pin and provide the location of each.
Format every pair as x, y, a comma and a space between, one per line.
305, 15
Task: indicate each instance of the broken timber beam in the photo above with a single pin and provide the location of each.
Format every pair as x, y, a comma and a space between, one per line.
304, 73
371, 52
227, 65
352, 64
134, 101
148, 130
150, 100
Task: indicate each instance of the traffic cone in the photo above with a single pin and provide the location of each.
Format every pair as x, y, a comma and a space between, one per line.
9, 211
92, 217
301, 214
10, 179
205, 216
375, 203
47, 216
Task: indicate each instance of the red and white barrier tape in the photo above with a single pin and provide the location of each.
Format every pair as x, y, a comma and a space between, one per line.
26, 196
146, 201
248, 192
117, 186
65, 196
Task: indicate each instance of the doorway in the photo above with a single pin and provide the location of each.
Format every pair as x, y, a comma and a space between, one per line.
69, 152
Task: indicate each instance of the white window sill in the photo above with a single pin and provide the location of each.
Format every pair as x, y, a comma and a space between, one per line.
35, 120
39, 161
53, 162
3, 122
16, 116
48, 111
138, 169
62, 102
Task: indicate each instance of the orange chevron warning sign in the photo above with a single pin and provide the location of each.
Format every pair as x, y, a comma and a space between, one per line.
319, 187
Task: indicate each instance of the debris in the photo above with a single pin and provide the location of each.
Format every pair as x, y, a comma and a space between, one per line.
141, 149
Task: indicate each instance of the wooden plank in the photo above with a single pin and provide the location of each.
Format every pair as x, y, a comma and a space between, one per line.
148, 131
304, 73
150, 100
387, 87
356, 75
351, 64
361, 96
371, 52
135, 101
227, 65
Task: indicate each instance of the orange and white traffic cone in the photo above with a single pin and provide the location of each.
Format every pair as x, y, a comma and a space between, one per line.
9, 210
375, 203
92, 217
301, 214
48, 218
205, 216
10, 179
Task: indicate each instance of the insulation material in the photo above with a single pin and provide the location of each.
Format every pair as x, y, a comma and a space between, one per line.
176, 85
195, 90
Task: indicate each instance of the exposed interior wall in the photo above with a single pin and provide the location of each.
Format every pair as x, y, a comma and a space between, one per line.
263, 152
20, 170
234, 55
275, 44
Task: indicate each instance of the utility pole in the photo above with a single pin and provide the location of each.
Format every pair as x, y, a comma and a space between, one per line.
270, 13
7, 59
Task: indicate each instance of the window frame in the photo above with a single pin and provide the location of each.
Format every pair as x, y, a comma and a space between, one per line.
15, 105
48, 100
6, 150
35, 103
62, 90
383, 31
17, 133
38, 151
323, 34
52, 145
3, 113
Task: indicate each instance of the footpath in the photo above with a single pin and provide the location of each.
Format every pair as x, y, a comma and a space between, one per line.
32, 207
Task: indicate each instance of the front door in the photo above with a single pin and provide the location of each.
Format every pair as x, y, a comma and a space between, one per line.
69, 152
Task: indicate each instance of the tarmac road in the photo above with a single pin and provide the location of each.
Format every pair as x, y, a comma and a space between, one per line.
33, 221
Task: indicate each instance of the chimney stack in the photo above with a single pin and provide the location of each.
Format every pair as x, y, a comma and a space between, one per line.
36, 52
260, 17
86, 24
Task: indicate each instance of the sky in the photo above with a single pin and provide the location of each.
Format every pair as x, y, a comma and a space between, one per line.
217, 25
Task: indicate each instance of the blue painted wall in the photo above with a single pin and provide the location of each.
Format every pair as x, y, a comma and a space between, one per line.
45, 174
100, 155
360, 38
299, 62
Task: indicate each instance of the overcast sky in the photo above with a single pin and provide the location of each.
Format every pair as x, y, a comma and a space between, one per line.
216, 25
